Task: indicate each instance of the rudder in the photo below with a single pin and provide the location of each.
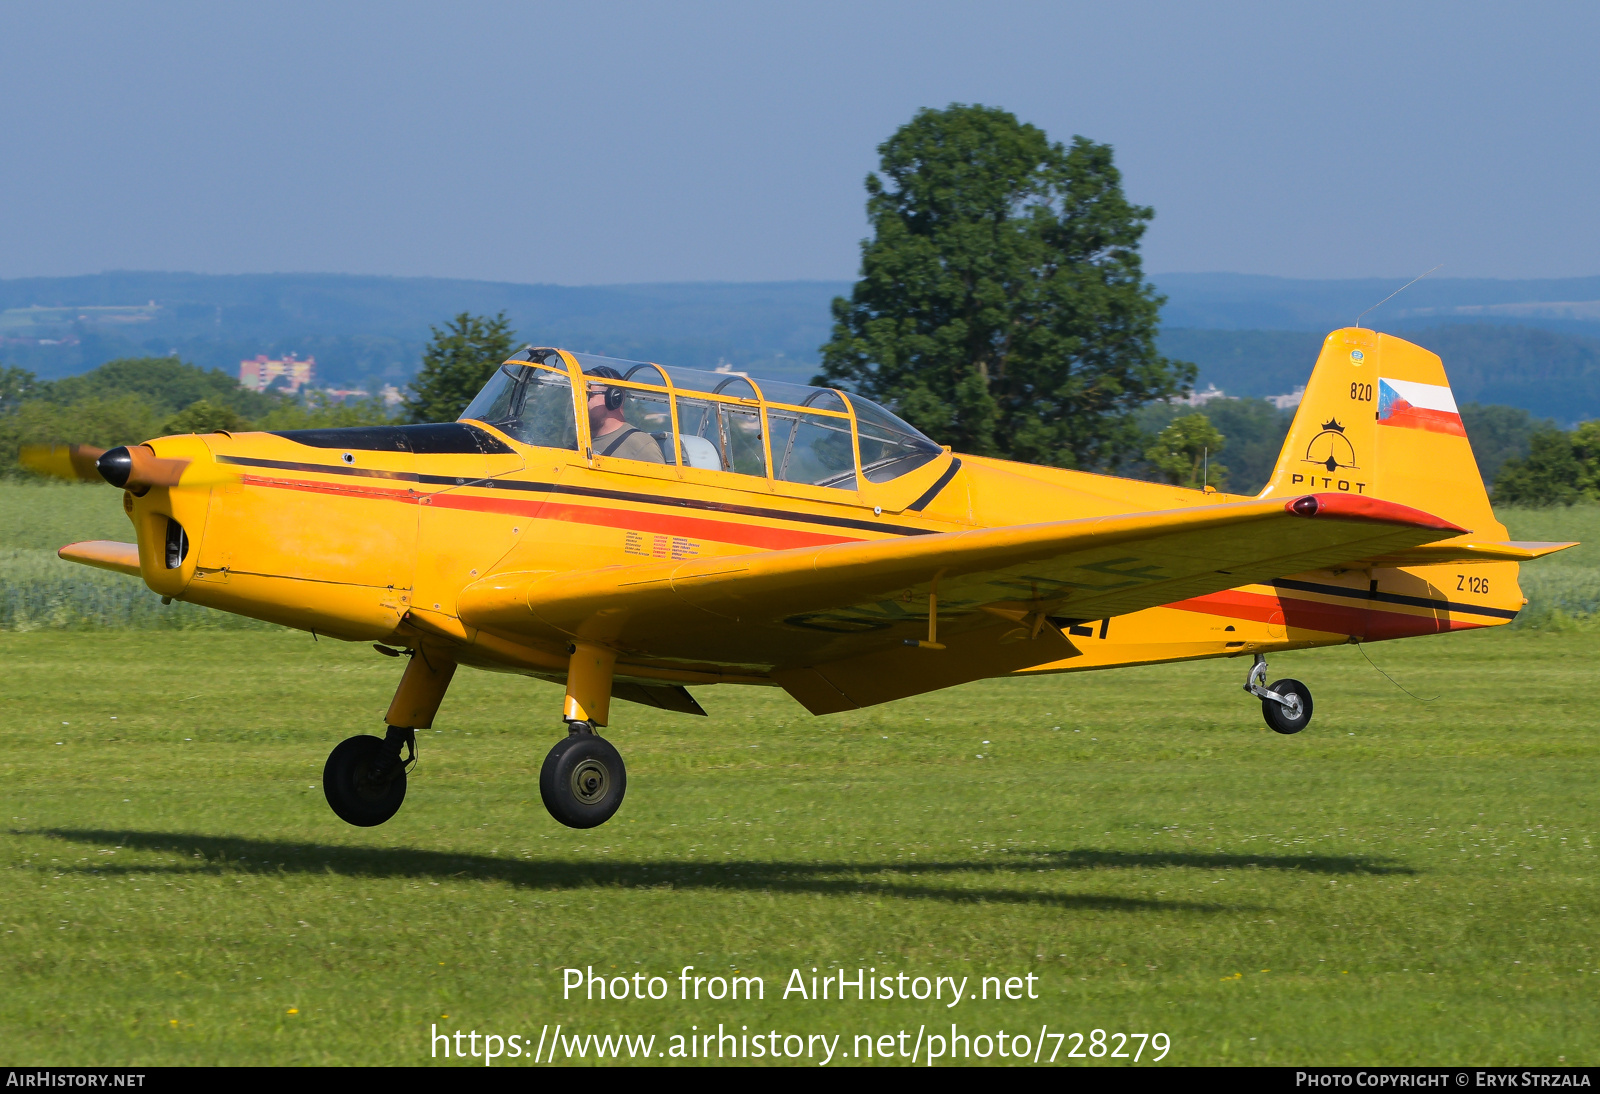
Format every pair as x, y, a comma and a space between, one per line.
1378, 419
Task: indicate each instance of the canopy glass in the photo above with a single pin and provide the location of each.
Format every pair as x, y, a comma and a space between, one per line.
715, 421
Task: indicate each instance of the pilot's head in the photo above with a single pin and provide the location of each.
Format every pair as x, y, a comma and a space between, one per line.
605, 400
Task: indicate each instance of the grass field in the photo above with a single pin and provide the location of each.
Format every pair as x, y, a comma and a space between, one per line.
1405, 882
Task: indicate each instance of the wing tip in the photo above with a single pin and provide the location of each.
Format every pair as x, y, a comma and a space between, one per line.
103, 554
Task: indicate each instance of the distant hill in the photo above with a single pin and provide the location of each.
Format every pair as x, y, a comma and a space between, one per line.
1531, 344
362, 329
1222, 301
1550, 374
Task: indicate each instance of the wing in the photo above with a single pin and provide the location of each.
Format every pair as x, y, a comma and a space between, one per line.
784, 613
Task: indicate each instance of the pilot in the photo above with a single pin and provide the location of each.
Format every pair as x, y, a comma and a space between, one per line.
609, 431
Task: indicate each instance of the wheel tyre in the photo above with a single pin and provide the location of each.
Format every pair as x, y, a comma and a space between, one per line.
350, 791
1288, 719
582, 781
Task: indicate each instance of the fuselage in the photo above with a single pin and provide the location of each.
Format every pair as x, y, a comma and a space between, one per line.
374, 534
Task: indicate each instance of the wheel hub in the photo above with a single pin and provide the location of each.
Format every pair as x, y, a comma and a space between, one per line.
368, 783
590, 781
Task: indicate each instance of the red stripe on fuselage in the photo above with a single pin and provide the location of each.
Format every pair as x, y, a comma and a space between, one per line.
307, 487
719, 531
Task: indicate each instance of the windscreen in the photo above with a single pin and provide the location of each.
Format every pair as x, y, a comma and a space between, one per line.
889, 447
534, 405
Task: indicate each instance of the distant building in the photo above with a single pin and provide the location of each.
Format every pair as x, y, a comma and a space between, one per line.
1199, 398
1290, 401
262, 372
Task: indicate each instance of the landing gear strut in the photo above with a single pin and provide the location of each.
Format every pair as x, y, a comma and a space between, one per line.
583, 780
1286, 705
364, 779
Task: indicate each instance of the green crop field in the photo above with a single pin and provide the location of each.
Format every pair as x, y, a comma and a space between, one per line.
1405, 882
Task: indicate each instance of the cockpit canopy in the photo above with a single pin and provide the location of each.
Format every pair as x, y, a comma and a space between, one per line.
715, 421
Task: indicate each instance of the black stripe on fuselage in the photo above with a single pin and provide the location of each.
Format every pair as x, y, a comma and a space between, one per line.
321, 468
713, 506
582, 491
933, 491
1392, 598
435, 438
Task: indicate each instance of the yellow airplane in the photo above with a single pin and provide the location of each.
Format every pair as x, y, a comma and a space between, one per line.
629, 530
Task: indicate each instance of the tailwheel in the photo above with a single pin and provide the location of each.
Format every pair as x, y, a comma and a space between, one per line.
1286, 705
364, 779
583, 780
1289, 710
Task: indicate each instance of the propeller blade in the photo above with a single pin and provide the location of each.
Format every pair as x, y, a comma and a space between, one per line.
63, 461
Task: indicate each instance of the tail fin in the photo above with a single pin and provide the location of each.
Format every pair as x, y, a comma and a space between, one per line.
1378, 419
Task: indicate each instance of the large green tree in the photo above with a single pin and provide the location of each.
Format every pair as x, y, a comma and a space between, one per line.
1001, 306
458, 361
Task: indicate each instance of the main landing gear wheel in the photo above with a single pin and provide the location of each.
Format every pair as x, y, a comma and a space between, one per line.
582, 781
364, 779
1292, 713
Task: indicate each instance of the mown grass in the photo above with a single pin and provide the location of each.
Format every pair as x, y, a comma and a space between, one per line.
1402, 883
1563, 590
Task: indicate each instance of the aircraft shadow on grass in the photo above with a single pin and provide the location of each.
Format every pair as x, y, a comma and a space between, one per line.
219, 854
1311, 864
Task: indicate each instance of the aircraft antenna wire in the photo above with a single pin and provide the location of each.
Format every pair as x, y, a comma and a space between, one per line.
1396, 293
1362, 646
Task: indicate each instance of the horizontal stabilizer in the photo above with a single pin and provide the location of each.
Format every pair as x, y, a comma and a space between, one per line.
1470, 550
104, 554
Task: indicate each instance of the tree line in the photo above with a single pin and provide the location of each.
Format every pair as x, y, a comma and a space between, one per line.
1561, 468
131, 399
128, 400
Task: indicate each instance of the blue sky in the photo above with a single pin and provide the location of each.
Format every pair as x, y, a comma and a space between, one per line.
599, 142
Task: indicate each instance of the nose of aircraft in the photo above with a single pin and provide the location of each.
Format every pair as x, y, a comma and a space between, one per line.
138, 468
115, 466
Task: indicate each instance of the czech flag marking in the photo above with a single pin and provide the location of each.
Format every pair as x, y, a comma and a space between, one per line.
1418, 406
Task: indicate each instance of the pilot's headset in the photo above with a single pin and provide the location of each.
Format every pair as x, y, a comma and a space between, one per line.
614, 395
